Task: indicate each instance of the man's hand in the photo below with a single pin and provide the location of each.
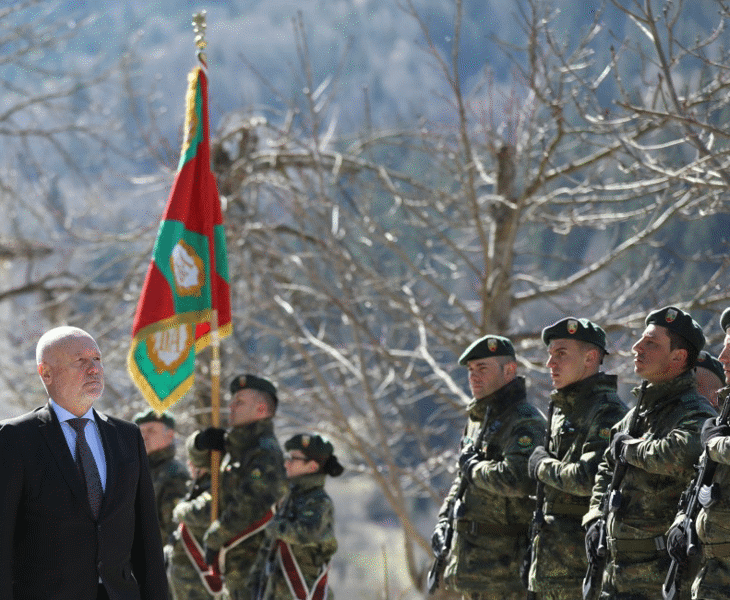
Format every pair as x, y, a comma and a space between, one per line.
212, 438
677, 543
593, 535
711, 430
617, 445
533, 464
467, 460
438, 539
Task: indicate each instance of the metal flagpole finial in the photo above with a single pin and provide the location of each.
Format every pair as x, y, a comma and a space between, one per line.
199, 26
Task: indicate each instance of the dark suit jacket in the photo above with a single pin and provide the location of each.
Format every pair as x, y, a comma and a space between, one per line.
50, 546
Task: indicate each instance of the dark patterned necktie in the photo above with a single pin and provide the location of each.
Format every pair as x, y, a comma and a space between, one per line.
87, 466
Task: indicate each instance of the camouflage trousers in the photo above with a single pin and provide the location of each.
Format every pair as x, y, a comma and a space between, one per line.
638, 577
713, 580
486, 567
559, 559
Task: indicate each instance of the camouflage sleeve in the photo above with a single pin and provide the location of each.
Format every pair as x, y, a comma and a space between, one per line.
577, 478
508, 476
719, 449
172, 490
443, 513
604, 474
674, 455
258, 566
307, 524
258, 487
194, 513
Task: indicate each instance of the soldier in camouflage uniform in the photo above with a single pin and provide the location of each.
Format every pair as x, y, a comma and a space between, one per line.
252, 480
302, 533
710, 377
490, 533
194, 512
713, 522
585, 407
169, 475
660, 458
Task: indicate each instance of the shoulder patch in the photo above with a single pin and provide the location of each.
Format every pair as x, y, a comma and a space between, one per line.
605, 433
256, 474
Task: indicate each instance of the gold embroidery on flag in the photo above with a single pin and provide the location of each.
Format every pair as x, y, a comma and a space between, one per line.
188, 270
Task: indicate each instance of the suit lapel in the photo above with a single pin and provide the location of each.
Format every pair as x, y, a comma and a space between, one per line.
112, 452
50, 429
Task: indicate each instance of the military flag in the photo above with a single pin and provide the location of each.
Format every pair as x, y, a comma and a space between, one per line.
187, 279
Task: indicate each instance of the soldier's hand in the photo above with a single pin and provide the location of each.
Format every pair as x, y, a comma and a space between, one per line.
533, 464
212, 438
617, 445
593, 535
677, 543
438, 539
711, 430
467, 460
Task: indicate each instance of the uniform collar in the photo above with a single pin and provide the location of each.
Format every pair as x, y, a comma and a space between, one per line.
499, 401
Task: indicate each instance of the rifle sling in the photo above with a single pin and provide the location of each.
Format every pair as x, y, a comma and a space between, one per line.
486, 529
562, 509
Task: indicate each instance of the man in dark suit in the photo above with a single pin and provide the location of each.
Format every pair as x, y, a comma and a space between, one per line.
77, 514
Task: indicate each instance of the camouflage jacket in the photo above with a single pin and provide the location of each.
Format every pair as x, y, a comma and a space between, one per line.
660, 459
170, 479
500, 482
583, 415
194, 511
713, 523
306, 523
252, 479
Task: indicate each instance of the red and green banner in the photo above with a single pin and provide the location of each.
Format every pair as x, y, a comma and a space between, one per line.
188, 275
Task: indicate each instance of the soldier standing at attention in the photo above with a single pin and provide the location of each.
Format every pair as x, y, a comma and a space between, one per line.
710, 377
660, 458
185, 555
300, 540
585, 407
252, 480
713, 521
491, 526
169, 475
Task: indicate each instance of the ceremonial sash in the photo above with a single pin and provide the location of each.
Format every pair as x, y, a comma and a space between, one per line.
211, 575
295, 579
211, 579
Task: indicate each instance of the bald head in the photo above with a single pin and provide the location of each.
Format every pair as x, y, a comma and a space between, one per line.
70, 367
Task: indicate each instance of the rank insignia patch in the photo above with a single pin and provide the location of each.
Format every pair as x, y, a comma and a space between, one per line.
605, 433
525, 441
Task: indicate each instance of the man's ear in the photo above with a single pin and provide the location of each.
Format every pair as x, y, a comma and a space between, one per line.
44, 371
679, 356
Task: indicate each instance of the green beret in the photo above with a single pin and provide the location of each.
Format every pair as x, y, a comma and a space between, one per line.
709, 362
487, 347
251, 382
725, 319
150, 416
198, 459
571, 328
680, 322
313, 446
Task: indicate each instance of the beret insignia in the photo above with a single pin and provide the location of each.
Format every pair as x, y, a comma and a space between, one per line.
671, 315
572, 326
492, 344
524, 441
305, 441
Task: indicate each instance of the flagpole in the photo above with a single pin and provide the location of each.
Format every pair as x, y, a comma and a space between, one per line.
199, 26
